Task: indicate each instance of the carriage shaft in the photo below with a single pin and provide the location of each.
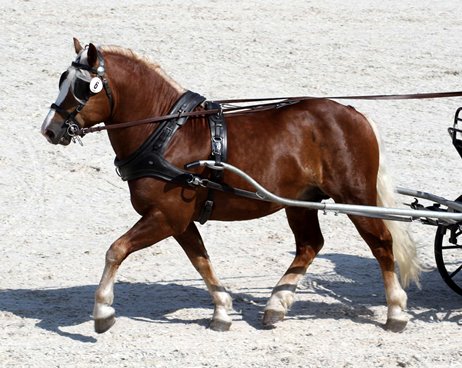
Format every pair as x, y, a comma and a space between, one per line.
431, 197
398, 214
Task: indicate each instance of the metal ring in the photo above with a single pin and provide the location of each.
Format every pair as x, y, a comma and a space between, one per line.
73, 129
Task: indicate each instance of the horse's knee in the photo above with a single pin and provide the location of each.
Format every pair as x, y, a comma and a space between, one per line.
316, 241
315, 246
117, 252
305, 253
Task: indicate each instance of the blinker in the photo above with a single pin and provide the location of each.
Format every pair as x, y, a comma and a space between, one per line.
62, 78
81, 89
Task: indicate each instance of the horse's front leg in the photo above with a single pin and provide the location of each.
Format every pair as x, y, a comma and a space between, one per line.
192, 244
150, 229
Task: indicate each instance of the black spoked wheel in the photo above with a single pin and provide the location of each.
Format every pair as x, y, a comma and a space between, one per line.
448, 255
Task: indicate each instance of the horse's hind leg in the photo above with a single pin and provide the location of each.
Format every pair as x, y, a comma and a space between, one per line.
192, 244
379, 239
309, 241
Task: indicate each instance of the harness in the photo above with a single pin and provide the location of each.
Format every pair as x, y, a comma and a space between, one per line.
148, 160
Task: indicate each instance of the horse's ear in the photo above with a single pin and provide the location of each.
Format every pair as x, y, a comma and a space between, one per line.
92, 55
78, 47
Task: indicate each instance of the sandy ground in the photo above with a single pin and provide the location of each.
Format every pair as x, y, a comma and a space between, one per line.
61, 207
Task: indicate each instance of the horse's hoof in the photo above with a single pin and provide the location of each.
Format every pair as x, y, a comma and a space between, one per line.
104, 324
271, 317
396, 324
220, 325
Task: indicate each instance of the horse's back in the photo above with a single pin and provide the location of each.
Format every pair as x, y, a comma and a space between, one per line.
305, 147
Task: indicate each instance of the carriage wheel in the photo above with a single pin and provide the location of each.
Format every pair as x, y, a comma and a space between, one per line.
448, 255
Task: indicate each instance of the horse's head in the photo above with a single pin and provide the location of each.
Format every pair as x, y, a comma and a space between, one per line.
80, 103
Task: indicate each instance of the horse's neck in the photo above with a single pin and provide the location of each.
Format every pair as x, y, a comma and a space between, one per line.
140, 92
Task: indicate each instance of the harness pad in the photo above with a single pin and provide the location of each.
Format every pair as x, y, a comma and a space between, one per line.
148, 160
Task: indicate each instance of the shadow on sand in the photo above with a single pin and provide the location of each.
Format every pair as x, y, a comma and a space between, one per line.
56, 309
356, 286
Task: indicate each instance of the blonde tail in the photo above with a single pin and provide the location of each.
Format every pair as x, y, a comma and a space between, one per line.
404, 249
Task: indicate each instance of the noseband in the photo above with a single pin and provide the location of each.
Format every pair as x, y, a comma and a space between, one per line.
73, 129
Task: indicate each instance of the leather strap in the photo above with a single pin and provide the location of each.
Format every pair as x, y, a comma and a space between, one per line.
409, 96
219, 144
218, 137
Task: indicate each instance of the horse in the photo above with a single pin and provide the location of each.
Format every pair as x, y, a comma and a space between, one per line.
310, 150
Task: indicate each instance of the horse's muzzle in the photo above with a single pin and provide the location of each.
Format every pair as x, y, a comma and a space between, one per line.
56, 134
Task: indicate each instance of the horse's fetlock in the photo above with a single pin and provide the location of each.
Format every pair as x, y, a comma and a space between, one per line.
103, 311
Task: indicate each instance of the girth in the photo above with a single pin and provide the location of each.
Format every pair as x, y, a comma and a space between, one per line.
148, 160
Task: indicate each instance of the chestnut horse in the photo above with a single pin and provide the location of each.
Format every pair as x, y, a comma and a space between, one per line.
310, 150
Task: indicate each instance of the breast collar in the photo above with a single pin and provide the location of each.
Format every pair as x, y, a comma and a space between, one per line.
148, 160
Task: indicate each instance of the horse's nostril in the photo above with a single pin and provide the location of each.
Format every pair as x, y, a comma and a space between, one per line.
50, 134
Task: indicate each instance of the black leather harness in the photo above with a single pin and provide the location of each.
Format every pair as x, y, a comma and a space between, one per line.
149, 161
219, 142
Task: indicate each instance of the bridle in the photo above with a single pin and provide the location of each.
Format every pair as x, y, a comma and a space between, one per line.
88, 89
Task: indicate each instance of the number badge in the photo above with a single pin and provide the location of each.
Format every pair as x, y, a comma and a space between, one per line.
96, 85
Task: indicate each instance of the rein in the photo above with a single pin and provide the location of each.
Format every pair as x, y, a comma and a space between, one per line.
283, 101
411, 96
